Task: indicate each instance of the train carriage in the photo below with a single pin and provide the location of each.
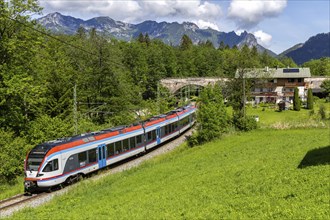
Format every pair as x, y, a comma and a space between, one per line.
64, 160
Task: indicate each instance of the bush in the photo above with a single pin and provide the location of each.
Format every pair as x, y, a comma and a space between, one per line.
193, 139
12, 153
322, 112
244, 124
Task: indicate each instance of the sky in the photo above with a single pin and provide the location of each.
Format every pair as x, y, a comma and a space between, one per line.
277, 24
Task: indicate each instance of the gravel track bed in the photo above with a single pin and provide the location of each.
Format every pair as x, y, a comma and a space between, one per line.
126, 166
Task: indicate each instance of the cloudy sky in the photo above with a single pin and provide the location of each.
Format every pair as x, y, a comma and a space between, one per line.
277, 24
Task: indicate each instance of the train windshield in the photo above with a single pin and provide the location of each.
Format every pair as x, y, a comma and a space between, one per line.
36, 156
34, 161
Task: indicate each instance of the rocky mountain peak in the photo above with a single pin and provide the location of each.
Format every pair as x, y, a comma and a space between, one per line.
190, 26
170, 33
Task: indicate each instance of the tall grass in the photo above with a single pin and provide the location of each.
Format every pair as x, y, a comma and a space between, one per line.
253, 175
13, 188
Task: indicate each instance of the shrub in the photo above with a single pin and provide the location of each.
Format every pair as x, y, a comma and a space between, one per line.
322, 112
247, 123
12, 153
193, 139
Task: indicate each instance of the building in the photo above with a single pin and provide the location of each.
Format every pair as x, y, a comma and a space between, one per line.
272, 85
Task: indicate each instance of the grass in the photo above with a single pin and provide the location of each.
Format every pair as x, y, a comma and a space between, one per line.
271, 118
10, 189
255, 175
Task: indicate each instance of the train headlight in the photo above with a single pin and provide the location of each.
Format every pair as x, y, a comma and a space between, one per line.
27, 184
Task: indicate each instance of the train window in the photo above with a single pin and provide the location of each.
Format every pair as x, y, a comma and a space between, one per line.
132, 142
166, 130
153, 135
92, 155
111, 149
139, 139
82, 158
48, 167
100, 154
34, 163
51, 166
118, 148
55, 164
125, 145
170, 128
149, 136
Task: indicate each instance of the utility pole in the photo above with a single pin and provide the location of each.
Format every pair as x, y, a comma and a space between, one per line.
243, 94
158, 96
75, 116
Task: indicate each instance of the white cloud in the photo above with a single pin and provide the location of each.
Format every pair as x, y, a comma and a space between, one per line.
249, 13
121, 10
239, 32
263, 38
206, 24
134, 11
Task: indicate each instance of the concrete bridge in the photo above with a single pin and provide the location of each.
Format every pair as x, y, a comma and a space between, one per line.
175, 84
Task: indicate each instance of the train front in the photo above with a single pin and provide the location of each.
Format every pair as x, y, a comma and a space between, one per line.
32, 167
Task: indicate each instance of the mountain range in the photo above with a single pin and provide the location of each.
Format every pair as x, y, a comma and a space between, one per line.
171, 33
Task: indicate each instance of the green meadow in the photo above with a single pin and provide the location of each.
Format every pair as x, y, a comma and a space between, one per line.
266, 173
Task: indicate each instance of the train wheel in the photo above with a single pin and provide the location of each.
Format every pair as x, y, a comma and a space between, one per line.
74, 179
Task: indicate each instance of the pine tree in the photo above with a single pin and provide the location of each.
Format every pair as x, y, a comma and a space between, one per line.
310, 104
141, 38
186, 42
296, 100
147, 39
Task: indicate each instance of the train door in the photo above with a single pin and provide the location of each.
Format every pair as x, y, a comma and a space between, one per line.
102, 156
158, 135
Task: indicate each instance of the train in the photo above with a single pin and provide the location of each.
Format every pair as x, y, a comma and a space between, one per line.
64, 161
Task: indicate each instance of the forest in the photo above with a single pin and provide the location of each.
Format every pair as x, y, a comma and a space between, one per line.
52, 86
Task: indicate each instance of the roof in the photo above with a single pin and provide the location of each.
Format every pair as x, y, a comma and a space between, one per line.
274, 73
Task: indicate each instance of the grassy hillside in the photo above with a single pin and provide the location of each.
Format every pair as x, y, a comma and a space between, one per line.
251, 175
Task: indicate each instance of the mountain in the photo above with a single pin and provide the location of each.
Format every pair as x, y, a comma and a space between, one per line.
169, 33
295, 47
315, 47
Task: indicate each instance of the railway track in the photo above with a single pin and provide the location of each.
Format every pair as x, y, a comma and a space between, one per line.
15, 200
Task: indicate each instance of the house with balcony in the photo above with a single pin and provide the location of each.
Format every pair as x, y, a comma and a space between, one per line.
272, 85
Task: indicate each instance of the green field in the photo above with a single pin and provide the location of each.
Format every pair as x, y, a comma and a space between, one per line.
281, 174
270, 118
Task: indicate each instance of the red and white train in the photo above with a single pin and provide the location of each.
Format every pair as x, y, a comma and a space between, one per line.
64, 160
